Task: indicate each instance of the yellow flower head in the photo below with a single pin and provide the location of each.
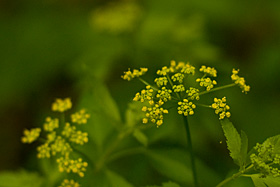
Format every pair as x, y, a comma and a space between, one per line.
74, 166
209, 71
145, 95
178, 88
129, 75
30, 135
193, 93
221, 108
186, 107
239, 81
61, 105
50, 124
206, 82
164, 94
69, 183
154, 114
79, 137
80, 117
44, 151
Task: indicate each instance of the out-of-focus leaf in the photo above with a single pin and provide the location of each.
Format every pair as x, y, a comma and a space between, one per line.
170, 166
116, 180
20, 178
268, 181
141, 137
275, 141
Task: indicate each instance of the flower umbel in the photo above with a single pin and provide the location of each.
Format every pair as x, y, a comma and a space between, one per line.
129, 75
69, 183
30, 135
61, 105
239, 81
221, 108
59, 136
186, 107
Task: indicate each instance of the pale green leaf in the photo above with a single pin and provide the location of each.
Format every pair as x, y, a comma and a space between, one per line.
275, 140
233, 140
268, 181
116, 180
244, 149
141, 137
20, 178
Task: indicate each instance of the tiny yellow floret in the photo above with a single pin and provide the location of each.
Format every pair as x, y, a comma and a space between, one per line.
61, 105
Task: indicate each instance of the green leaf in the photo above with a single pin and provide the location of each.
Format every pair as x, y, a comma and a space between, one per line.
233, 140
265, 182
244, 149
141, 137
274, 140
117, 180
170, 165
20, 178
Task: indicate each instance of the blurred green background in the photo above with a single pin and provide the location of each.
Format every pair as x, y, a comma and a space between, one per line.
47, 48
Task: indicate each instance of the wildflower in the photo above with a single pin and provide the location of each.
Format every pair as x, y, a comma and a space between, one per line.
164, 70
154, 114
60, 146
209, 71
44, 151
239, 81
61, 105
145, 95
68, 130
188, 69
265, 160
161, 81
221, 108
69, 183
178, 88
80, 117
51, 137
164, 94
206, 82
50, 124
30, 135
69, 165
186, 107
193, 93
178, 77
129, 75
79, 137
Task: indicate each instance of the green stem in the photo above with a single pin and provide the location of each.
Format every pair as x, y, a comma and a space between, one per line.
170, 82
191, 151
234, 176
217, 88
147, 84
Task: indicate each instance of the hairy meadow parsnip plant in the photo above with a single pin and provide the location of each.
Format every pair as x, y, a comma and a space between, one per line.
59, 136
171, 87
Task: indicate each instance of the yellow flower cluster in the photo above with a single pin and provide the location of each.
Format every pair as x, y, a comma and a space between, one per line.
161, 81
154, 114
178, 77
69, 183
209, 71
69, 165
164, 94
193, 93
178, 88
80, 117
44, 151
181, 67
30, 135
221, 108
239, 81
206, 82
79, 137
59, 145
265, 160
129, 75
145, 95
61, 105
186, 107
51, 124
